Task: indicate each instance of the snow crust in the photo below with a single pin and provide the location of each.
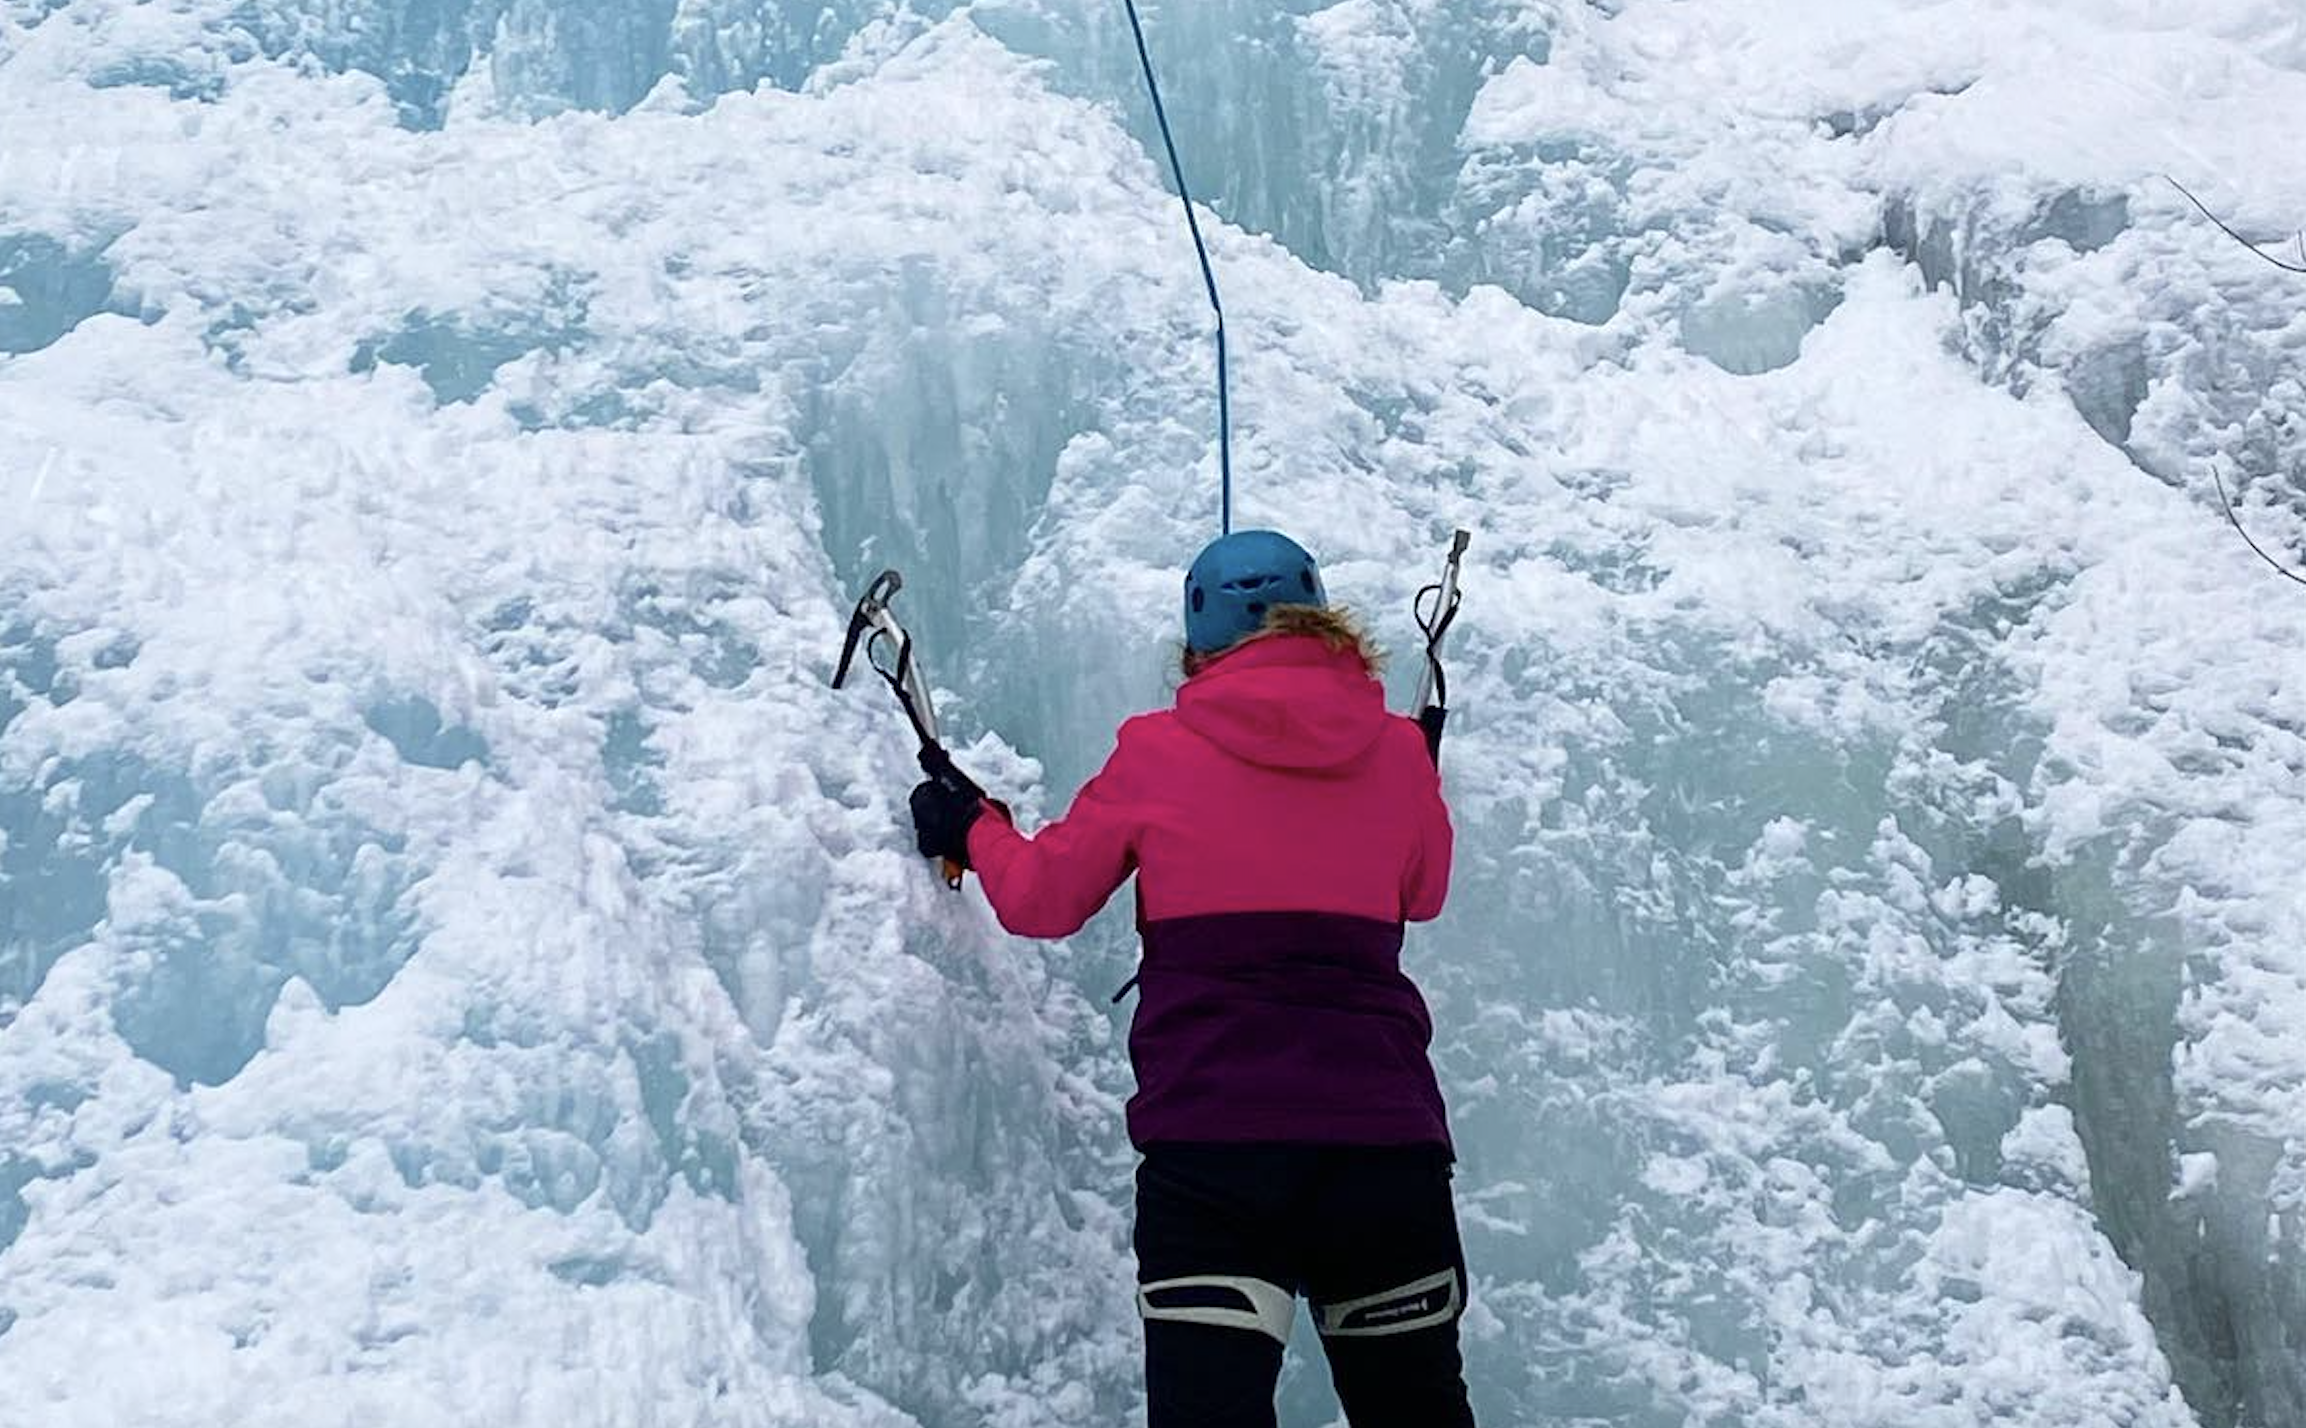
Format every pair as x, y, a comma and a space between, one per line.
458, 963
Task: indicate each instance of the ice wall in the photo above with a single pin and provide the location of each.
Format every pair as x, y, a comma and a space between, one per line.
457, 963
476, 895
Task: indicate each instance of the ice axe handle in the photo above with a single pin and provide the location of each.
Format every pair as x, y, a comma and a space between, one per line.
1432, 719
939, 765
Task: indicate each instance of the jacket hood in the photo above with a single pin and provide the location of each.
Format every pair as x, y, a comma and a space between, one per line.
1285, 701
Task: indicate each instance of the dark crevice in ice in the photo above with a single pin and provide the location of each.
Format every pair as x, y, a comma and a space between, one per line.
49, 900
179, 78
1858, 123
16, 1172
2117, 1013
2108, 385
459, 354
47, 288
413, 726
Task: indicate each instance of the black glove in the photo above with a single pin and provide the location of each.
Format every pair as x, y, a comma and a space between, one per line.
945, 805
942, 815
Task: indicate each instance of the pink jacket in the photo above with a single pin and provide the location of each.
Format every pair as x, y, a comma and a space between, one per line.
1282, 826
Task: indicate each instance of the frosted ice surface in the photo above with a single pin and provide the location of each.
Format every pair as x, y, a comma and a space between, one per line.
458, 963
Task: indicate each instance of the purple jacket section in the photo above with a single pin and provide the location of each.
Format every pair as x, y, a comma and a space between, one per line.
1281, 1026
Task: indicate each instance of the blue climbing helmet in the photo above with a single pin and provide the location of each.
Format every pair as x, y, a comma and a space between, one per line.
1239, 577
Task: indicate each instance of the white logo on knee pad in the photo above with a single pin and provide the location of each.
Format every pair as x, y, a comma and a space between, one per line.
1427, 1303
1260, 1307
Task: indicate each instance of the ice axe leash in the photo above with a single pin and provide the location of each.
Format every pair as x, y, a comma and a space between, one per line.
889, 650
1432, 701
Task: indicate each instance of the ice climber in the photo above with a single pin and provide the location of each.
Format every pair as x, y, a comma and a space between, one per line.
1283, 827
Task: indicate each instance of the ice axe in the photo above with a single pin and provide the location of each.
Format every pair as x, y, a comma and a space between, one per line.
889, 650
1432, 701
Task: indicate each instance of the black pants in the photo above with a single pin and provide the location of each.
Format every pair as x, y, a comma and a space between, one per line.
1227, 1235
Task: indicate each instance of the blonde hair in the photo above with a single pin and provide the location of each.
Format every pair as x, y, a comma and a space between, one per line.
1335, 626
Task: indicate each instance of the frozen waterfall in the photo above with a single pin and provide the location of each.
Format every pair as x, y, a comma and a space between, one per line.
459, 963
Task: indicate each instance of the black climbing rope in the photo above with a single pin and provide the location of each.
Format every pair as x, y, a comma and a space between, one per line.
2299, 267
2223, 227
2278, 567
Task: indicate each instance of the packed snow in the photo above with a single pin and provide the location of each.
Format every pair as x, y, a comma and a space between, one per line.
460, 963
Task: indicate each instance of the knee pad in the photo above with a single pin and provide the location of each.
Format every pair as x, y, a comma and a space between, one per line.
1426, 1303
1228, 1301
